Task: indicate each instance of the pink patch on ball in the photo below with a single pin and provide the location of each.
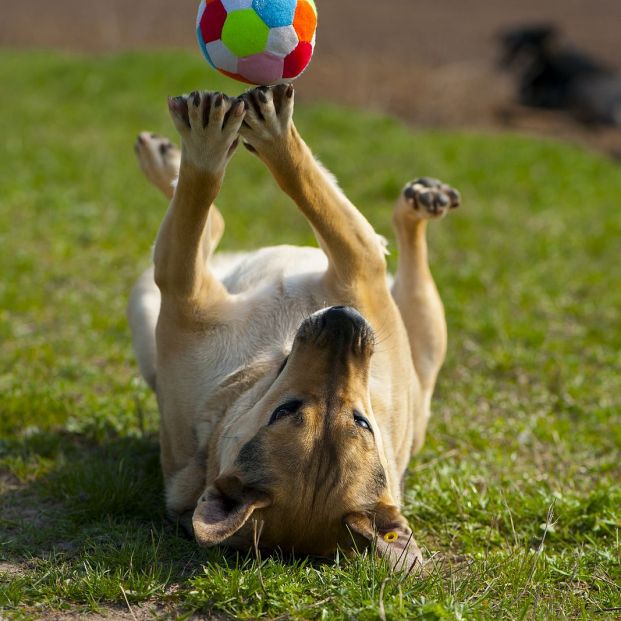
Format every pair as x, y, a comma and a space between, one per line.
298, 60
264, 68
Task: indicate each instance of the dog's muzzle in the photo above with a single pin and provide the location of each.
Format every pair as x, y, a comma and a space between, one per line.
339, 328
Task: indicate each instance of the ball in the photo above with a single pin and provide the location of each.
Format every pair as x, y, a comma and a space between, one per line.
259, 42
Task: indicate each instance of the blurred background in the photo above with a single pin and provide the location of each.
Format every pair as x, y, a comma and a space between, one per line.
435, 64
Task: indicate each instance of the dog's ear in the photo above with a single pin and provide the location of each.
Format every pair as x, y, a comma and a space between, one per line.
389, 530
224, 509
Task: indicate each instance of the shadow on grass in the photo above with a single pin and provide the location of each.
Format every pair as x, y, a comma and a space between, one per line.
91, 530
95, 503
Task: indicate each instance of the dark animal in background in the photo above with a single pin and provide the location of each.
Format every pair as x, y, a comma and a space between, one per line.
553, 76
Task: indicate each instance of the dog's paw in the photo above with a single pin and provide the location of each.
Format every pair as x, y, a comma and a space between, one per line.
427, 198
208, 124
268, 121
158, 158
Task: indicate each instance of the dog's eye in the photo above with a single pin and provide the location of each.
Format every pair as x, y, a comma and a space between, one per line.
291, 407
361, 421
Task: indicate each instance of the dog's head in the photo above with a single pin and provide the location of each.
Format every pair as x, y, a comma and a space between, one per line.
312, 478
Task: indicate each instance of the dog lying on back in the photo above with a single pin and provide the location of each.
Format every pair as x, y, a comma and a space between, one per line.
294, 384
558, 78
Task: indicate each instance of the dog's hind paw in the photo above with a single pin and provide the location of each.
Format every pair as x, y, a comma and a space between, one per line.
159, 160
428, 198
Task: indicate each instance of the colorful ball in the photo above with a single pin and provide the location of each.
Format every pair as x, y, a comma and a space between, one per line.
258, 41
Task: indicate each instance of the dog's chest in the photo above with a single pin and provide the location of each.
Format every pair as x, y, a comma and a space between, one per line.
217, 365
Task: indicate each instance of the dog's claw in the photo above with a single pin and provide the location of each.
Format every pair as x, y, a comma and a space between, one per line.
179, 107
268, 119
164, 147
208, 123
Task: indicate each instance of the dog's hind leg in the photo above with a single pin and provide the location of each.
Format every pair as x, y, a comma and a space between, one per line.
355, 252
160, 161
414, 289
208, 124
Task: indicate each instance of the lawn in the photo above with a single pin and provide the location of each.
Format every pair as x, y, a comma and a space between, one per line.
516, 496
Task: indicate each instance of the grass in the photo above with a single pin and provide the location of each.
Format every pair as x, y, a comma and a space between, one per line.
516, 493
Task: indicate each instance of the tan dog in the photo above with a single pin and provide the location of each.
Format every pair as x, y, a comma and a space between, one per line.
293, 385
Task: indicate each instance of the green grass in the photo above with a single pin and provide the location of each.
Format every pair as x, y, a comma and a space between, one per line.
516, 493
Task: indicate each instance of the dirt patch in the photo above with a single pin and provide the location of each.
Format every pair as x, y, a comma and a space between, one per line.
430, 33
10, 570
137, 613
431, 63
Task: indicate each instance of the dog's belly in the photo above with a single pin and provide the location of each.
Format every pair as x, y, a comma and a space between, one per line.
274, 290
251, 271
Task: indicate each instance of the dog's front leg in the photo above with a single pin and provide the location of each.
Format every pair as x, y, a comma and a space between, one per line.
209, 125
354, 250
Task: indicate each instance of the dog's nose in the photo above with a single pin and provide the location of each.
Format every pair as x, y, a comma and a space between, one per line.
344, 326
345, 318
339, 330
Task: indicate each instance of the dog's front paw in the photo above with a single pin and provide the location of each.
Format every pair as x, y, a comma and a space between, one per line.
268, 122
208, 124
427, 198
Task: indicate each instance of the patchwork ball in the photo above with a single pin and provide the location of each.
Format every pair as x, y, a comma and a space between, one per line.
258, 41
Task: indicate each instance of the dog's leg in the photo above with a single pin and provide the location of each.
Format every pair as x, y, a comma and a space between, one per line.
354, 250
208, 124
414, 289
159, 160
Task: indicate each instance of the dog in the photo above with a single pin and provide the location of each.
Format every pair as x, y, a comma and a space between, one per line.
294, 384
554, 77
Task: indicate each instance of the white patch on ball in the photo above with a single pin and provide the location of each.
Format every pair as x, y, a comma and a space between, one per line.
221, 56
282, 41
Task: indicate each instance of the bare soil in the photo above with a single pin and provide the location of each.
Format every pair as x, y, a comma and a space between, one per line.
432, 63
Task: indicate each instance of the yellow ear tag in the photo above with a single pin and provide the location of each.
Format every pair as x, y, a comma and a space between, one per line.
391, 536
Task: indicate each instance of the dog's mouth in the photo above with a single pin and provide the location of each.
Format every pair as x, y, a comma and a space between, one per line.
339, 329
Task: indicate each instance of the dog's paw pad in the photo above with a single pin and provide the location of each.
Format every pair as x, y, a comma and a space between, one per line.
431, 198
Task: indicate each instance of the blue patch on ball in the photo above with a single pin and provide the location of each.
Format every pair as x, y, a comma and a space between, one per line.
275, 13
